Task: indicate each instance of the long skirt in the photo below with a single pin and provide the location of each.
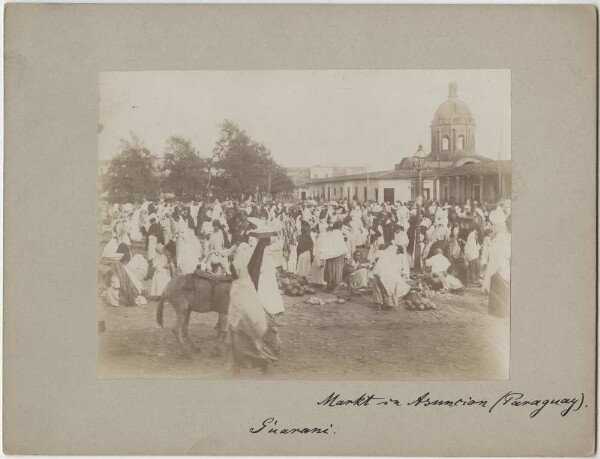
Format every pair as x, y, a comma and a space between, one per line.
382, 298
247, 351
334, 269
316, 274
159, 281
473, 271
252, 336
151, 247
268, 292
499, 302
303, 268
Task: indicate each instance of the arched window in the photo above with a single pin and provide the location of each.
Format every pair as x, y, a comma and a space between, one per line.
445, 143
461, 142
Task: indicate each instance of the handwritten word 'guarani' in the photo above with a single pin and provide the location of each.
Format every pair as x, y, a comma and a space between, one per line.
269, 425
510, 399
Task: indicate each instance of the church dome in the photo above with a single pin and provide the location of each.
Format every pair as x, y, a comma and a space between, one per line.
453, 109
453, 127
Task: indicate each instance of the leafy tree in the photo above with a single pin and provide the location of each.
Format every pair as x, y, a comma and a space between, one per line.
131, 175
185, 172
243, 164
280, 180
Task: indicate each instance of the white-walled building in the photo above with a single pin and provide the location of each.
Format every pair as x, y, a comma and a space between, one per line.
302, 176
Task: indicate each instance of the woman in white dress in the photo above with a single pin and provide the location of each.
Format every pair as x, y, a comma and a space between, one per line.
389, 278
189, 250
251, 335
218, 248
318, 264
135, 232
268, 289
358, 229
161, 271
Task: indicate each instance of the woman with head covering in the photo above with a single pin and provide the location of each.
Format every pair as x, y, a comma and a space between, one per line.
155, 236
356, 271
251, 335
389, 278
135, 231
218, 248
375, 238
356, 224
189, 249
497, 218
497, 276
485, 250
305, 251
162, 275
290, 241
454, 245
472, 249
318, 264
334, 253
125, 287
263, 272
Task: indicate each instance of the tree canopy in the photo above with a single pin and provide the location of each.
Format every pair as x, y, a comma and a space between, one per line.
239, 165
131, 175
244, 164
185, 171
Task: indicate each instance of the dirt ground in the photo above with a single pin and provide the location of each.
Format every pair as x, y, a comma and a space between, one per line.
352, 341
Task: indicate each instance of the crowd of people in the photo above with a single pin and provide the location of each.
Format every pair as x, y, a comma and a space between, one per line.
387, 248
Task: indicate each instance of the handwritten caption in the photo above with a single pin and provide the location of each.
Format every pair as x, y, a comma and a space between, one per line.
508, 400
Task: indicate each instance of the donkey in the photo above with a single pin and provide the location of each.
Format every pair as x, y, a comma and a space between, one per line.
196, 292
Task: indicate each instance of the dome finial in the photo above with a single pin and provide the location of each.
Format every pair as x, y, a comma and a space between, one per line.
452, 90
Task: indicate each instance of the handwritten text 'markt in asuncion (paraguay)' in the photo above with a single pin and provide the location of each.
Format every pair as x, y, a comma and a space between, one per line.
508, 400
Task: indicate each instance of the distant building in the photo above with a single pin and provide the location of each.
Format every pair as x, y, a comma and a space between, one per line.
302, 176
453, 171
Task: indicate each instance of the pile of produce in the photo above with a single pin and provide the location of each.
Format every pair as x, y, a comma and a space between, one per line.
293, 285
416, 302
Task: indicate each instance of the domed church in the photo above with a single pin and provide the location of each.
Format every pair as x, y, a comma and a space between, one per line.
453, 126
453, 171
452, 135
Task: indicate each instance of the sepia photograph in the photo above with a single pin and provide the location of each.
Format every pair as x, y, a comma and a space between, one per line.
304, 225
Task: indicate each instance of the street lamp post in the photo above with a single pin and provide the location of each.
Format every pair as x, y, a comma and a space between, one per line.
418, 164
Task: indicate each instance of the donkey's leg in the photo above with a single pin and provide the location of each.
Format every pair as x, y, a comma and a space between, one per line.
181, 308
185, 330
221, 327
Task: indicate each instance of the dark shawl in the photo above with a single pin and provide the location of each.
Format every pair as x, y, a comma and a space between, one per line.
305, 243
255, 262
124, 249
156, 230
127, 291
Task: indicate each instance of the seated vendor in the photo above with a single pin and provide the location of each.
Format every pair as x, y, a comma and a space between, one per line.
125, 288
356, 271
439, 279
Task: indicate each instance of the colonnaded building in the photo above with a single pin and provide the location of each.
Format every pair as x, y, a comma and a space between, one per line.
452, 172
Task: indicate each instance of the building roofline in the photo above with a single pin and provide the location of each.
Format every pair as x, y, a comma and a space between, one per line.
487, 167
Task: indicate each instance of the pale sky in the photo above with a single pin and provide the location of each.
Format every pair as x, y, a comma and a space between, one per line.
343, 117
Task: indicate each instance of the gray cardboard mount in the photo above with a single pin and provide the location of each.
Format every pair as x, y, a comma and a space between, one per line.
54, 403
